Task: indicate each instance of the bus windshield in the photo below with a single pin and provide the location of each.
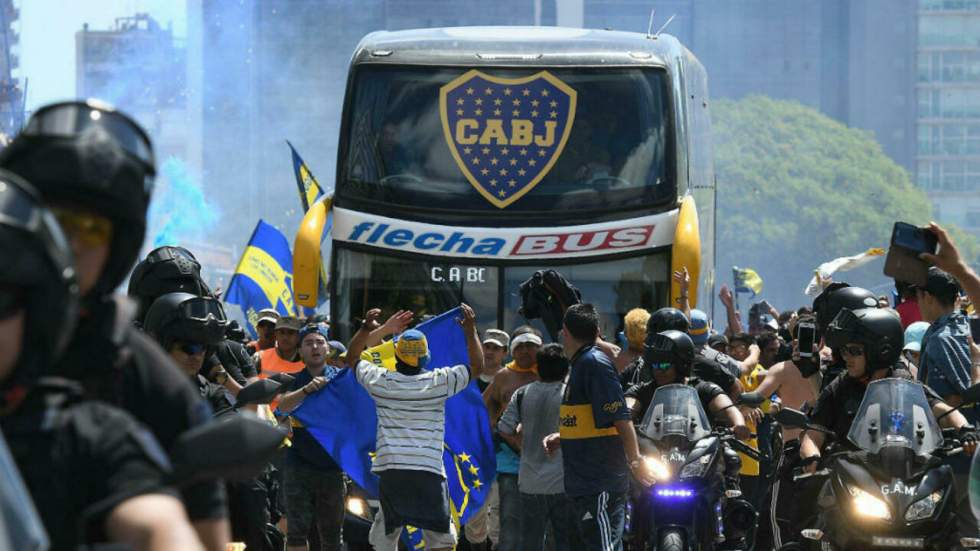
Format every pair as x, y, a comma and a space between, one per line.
617, 154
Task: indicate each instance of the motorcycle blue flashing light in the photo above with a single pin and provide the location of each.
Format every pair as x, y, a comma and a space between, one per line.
674, 493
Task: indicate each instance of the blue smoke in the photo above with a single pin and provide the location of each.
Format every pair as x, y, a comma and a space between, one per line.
179, 212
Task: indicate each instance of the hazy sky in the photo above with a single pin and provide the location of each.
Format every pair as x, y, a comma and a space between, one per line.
47, 37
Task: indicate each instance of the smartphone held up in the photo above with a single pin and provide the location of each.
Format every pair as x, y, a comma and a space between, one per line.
907, 243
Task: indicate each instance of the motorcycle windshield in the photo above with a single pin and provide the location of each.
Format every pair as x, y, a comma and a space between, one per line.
895, 412
675, 410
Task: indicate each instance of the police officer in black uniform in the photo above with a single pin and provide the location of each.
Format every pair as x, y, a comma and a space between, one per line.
664, 319
826, 306
175, 269
189, 327
671, 355
94, 166
94, 473
708, 364
870, 342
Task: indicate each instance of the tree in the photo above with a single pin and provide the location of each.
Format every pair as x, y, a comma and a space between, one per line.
797, 188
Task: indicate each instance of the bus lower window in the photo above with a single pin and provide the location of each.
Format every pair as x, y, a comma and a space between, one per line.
614, 287
429, 286
367, 281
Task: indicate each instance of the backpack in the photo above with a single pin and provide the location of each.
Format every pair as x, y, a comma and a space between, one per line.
546, 296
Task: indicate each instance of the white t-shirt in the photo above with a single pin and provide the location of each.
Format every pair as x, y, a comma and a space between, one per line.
411, 414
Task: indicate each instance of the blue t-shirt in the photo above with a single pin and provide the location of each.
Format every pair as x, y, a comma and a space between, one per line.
945, 363
592, 450
305, 450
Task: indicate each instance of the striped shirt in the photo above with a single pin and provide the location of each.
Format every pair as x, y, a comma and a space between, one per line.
411, 414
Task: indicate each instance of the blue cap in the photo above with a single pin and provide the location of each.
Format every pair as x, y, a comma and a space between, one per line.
913, 335
699, 327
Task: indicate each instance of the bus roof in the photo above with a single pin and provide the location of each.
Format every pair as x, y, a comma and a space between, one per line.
516, 46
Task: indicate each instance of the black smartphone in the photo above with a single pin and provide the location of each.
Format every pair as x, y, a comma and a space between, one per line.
806, 335
914, 239
903, 263
975, 329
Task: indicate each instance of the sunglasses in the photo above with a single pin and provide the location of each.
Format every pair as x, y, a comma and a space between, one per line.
11, 301
661, 366
191, 348
852, 350
91, 229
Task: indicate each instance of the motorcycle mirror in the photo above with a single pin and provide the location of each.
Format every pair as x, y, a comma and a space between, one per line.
792, 418
751, 399
262, 391
285, 379
235, 449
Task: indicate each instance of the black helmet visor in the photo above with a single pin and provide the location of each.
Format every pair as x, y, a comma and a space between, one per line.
200, 308
77, 119
18, 209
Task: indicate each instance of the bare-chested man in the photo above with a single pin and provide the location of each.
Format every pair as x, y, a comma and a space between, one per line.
521, 371
795, 391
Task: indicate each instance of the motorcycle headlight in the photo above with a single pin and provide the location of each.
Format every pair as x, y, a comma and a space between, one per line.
924, 508
359, 507
657, 468
695, 469
867, 505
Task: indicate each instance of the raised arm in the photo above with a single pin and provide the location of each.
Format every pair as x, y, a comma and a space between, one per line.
473, 346
398, 322
683, 279
360, 340
734, 322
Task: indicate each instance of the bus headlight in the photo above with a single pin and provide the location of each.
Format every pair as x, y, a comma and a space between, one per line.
867, 505
657, 468
924, 508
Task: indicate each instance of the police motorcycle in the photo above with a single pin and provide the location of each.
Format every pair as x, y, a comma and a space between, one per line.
689, 507
892, 491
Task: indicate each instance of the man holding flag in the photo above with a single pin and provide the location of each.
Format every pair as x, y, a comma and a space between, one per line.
411, 427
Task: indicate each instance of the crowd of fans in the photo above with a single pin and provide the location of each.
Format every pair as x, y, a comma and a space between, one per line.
97, 392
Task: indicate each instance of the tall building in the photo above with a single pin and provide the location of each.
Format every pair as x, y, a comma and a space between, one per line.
948, 86
267, 72
851, 59
140, 68
11, 89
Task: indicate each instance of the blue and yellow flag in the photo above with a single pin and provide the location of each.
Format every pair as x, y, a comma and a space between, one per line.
342, 418
309, 188
263, 278
746, 280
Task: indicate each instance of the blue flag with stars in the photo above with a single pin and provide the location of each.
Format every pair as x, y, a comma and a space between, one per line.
342, 418
506, 133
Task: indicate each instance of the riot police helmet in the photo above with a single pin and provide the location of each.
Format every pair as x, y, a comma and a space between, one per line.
87, 155
879, 330
37, 277
670, 347
838, 296
185, 317
666, 319
165, 270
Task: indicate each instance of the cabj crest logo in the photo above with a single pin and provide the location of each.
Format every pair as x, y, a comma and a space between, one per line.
506, 133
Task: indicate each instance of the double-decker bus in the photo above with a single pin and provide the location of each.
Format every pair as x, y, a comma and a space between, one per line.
469, 158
